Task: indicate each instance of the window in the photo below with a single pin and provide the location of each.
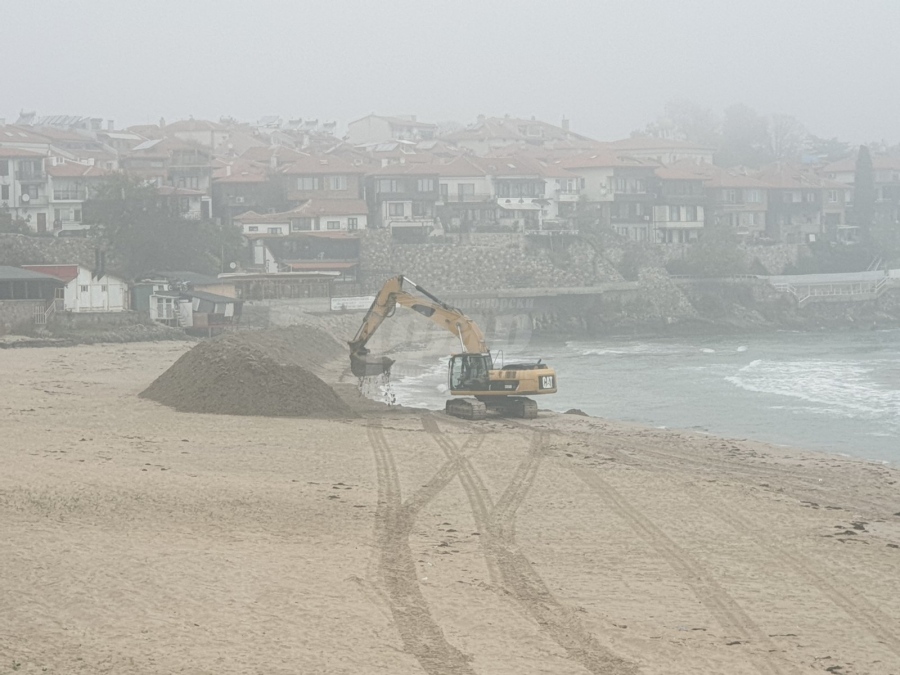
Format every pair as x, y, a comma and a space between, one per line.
418, 209
387, 185
675, 213
76, 215
690, 213
810, 197
334, 225
308, 183
253, 228
4, 191
425, 185
753, 196
832, 196
337, 182
396, 209
352, 223
465, 190
85, 289
301, 224
619, 185
796, 196
731, 196
274, 230
30, 190
4, 167
103, 289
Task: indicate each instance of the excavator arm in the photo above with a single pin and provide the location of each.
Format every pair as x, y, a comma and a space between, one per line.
392, 294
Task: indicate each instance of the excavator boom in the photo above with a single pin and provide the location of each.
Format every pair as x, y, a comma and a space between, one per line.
392, 294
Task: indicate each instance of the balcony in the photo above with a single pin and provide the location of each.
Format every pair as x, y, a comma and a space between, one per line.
567, 195
69, 195
31, 176
466, 198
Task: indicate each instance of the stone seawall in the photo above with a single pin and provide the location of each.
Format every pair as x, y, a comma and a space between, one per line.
472, 263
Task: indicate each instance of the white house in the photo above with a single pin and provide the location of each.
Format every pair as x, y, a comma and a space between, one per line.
84, 292
379, 128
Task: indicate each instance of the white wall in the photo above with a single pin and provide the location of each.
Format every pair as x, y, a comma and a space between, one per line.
86, 294
369, 129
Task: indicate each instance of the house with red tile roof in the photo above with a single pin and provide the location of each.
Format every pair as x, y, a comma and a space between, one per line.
886, 172
803, 207
404, 197
322, 176
489, 134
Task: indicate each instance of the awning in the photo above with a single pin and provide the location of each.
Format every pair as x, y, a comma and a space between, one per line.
323, 266
513, 205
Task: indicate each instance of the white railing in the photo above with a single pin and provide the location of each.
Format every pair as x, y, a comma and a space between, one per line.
42, 314
850, 289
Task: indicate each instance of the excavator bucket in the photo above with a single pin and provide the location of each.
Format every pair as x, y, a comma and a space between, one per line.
369, 366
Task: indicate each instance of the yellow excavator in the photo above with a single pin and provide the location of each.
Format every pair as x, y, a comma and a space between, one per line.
472, 373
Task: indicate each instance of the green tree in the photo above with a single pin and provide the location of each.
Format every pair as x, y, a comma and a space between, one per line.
143, 231
864, 191
745, 138
11, 224
717, 254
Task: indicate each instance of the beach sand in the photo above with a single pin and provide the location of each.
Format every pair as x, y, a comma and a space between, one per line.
136, 539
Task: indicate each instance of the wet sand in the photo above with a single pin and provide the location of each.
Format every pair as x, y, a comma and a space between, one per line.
135, 539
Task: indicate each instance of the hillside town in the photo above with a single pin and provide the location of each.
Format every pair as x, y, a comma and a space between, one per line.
318, 214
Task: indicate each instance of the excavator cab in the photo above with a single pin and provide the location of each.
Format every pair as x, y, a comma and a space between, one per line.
470, 372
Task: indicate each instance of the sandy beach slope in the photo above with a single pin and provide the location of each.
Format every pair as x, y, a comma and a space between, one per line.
134, 539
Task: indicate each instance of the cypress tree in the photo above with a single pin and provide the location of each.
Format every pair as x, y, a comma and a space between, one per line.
864, 191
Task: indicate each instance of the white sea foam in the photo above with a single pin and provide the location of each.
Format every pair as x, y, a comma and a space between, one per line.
742, 348
833, 387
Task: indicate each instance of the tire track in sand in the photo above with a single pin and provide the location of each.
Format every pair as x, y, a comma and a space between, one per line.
515, 570
421, 635
878, 624
724, 609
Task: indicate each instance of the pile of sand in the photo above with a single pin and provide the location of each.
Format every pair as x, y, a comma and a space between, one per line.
265, 373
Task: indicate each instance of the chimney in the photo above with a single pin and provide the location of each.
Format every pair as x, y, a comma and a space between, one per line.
565, 124
110, 125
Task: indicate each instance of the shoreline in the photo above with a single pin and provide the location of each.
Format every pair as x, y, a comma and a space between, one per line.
151, 541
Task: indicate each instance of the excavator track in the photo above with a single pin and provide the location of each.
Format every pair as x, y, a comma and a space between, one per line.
514, 406
466, 408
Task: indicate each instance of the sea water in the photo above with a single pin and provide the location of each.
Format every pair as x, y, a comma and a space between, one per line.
833, 392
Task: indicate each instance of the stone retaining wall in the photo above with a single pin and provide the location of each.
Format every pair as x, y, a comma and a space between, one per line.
20, 249
17, 315
492, 261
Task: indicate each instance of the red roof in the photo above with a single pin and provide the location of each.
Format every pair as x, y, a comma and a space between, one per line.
64, 272
321, 164
309, 209
195, 125
20, 152
601, 159
76, 170
790, 177
408, 169
848, 164
651, 143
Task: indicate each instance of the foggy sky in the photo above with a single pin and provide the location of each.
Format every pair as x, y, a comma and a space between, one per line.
608, 66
